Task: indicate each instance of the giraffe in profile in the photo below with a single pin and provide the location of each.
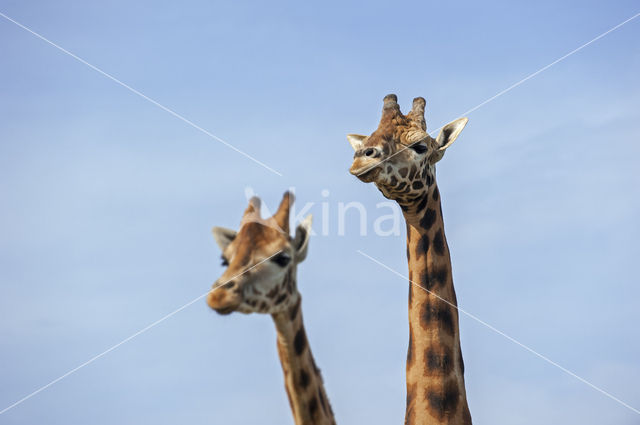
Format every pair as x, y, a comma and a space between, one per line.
399, 158
261, 259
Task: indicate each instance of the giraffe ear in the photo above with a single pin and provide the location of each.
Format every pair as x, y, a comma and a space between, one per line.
223, 236
301, 239
447, 136
356, 141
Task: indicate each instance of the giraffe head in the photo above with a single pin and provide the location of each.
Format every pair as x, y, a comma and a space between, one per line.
261, 260
400, 156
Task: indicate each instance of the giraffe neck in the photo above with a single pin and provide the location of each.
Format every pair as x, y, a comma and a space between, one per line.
302, 379
435, 370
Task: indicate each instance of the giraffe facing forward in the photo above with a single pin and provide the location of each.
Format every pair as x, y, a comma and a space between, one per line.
261, 278
399, 158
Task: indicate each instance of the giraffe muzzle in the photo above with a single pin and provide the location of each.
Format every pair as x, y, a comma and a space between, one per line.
224, 299
366, 171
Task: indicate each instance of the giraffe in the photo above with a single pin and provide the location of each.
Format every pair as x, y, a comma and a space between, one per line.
399, 158
262, 259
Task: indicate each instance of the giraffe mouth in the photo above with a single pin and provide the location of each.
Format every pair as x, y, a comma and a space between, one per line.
222, 302
367, 174
224, 311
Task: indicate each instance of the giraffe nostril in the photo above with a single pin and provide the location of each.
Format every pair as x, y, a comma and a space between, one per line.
228, 285
370, 152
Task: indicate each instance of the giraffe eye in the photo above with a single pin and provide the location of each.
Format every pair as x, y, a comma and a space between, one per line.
419, 148
282, 259
225, 262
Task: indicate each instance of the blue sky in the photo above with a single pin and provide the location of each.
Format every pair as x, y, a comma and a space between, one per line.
108, 203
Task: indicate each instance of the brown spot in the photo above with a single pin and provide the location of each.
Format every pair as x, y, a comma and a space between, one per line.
438, 362
413, 171
438, 314
403, 172
281, 299
438, 242
272, 293
423, 202
436, 194
300, 341
429, 179
435, 276
443, 402
422, 247
289, 281
313, 406
304, 379
428, 218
